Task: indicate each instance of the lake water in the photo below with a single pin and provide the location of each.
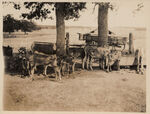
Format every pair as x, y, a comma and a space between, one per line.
49, 35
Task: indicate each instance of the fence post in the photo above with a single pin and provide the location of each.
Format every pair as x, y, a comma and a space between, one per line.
131, 46
67, 43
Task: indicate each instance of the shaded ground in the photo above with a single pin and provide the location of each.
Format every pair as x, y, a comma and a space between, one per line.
89, 91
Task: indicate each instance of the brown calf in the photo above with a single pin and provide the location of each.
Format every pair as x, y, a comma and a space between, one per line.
99, 53
112, 58
46, 61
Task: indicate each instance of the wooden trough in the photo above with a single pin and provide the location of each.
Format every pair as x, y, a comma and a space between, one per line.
44, 47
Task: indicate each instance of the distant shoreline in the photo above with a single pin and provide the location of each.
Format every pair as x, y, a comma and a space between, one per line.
54, 27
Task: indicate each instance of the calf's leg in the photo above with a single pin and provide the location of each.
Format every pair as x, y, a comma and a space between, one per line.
45, 70
108, 68
118, 65
83, 62
100, 63
141, 68
138, 66
90, 63
73, 67
87, 63
57, 73
33, 69
103, 65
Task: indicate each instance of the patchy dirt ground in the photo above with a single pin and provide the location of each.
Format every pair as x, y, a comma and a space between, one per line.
119, 91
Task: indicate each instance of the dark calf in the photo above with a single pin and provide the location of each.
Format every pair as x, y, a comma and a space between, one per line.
113, 57
68, 64
25, 65
77, 53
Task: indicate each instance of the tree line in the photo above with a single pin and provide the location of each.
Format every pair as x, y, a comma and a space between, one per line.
10, 24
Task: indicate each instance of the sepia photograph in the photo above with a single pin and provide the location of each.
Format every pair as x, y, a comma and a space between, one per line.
75, 56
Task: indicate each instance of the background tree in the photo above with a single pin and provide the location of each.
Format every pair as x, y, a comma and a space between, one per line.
33, 25
8, 23
26, 26
17, 25
64, 11
11, 24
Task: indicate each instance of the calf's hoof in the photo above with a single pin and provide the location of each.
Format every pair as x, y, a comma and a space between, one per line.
91, 69
142, 72
72, 72
137, 72
44, 74
107, 71
58, 80
32, 79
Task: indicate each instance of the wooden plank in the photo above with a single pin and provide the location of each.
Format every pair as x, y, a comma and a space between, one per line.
128, 61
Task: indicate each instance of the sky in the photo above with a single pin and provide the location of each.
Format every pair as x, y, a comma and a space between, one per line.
122, 16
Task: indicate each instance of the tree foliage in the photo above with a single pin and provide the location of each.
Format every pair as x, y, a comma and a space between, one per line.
43, 10
27, 26
105, 5
10, 25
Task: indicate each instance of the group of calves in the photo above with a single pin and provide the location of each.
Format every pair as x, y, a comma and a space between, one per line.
60, 64
65, 64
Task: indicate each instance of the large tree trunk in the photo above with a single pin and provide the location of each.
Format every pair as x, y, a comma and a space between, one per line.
60, 29
102, 25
